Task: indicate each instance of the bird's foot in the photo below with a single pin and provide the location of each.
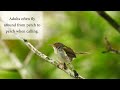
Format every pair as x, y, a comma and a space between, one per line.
62, 66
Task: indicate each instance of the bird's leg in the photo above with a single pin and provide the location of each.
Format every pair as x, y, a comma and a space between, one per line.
62, 65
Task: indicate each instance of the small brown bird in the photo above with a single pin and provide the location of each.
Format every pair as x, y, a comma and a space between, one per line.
65, 54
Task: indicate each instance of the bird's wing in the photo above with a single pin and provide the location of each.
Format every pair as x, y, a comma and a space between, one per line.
69, 52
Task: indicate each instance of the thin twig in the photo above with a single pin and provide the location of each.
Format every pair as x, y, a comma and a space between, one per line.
109, 19
110, 48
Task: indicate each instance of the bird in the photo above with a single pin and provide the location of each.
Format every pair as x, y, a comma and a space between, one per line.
64, 53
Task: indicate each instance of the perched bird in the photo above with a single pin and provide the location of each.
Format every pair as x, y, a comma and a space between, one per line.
65, 54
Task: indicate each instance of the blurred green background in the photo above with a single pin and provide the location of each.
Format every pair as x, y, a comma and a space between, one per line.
83, 31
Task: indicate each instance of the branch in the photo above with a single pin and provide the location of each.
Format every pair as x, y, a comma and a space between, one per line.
30, 54
25, 74
110, 48
111, 21
72, 73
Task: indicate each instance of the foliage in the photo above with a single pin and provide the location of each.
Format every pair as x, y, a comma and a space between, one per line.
83, 31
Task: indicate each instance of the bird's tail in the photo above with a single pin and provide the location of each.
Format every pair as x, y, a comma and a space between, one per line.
82, 53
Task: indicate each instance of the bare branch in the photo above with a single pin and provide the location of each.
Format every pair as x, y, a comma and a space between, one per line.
109, 19
30, 54
110, 48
